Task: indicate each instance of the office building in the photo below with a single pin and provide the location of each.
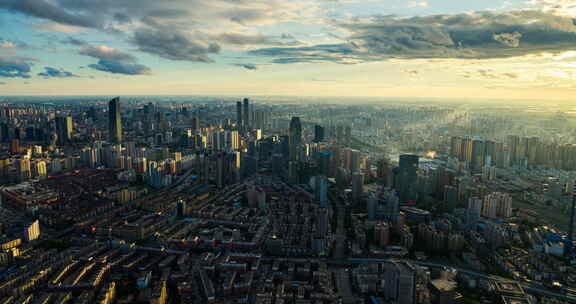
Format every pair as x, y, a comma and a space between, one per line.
382, 234
246, 114
406, 179
114, 121
64, 128
318, 134
321, 190
4, 132
239, 117
32, 231
357, 186
295, 138
15, 147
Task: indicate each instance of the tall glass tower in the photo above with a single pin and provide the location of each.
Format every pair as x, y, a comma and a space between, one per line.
295, 138
115, 120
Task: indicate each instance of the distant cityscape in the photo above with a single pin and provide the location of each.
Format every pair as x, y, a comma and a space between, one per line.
175, 200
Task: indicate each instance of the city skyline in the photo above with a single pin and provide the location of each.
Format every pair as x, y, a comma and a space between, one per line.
395, 49
179, 200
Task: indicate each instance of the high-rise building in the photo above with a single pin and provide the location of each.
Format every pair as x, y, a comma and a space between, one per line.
4, 132
478, 154
295, 138
569, 243
15, 147
400, 282
455, 147
321, 190
357, 186
196, 123
406, 178
382, 234
41, 169
239, 116
234, 140
32, 232
513, 142
497, 205
246, 114
354, 162
318, 134
64, 127
115, 121
24, 172
180, 208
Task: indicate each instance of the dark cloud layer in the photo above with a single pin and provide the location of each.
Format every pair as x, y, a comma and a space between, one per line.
481, 35
106, 53
338, 53
184, 31
114, 61
50, 72
174, 45
14, 67
75, 41
248, 66
176, 32
46, 10
117, 67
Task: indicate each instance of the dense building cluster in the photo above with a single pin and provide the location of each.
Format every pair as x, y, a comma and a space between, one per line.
132, 201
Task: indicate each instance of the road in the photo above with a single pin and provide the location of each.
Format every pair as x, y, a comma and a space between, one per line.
530, 287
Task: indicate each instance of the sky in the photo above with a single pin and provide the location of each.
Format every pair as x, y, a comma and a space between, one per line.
454, 49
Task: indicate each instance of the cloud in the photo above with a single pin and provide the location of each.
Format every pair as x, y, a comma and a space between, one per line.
14, 67
107, 53
509, 39
412, 73
58, 27
11, 45
56, 73
174, 45
490, 74
46, 10
338, 53
117, 67
479, 35
189, 30
4, 44
75, 41
248, 66
114, 61
416, 4
557, 7
246, 39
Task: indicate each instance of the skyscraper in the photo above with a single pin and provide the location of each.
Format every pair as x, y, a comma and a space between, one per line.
196, 123
15, 147
239, 114
246, 114
295, 138
318, 134
569, 244
357, 186
4, 132
115, 120
406, 176
64, 127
